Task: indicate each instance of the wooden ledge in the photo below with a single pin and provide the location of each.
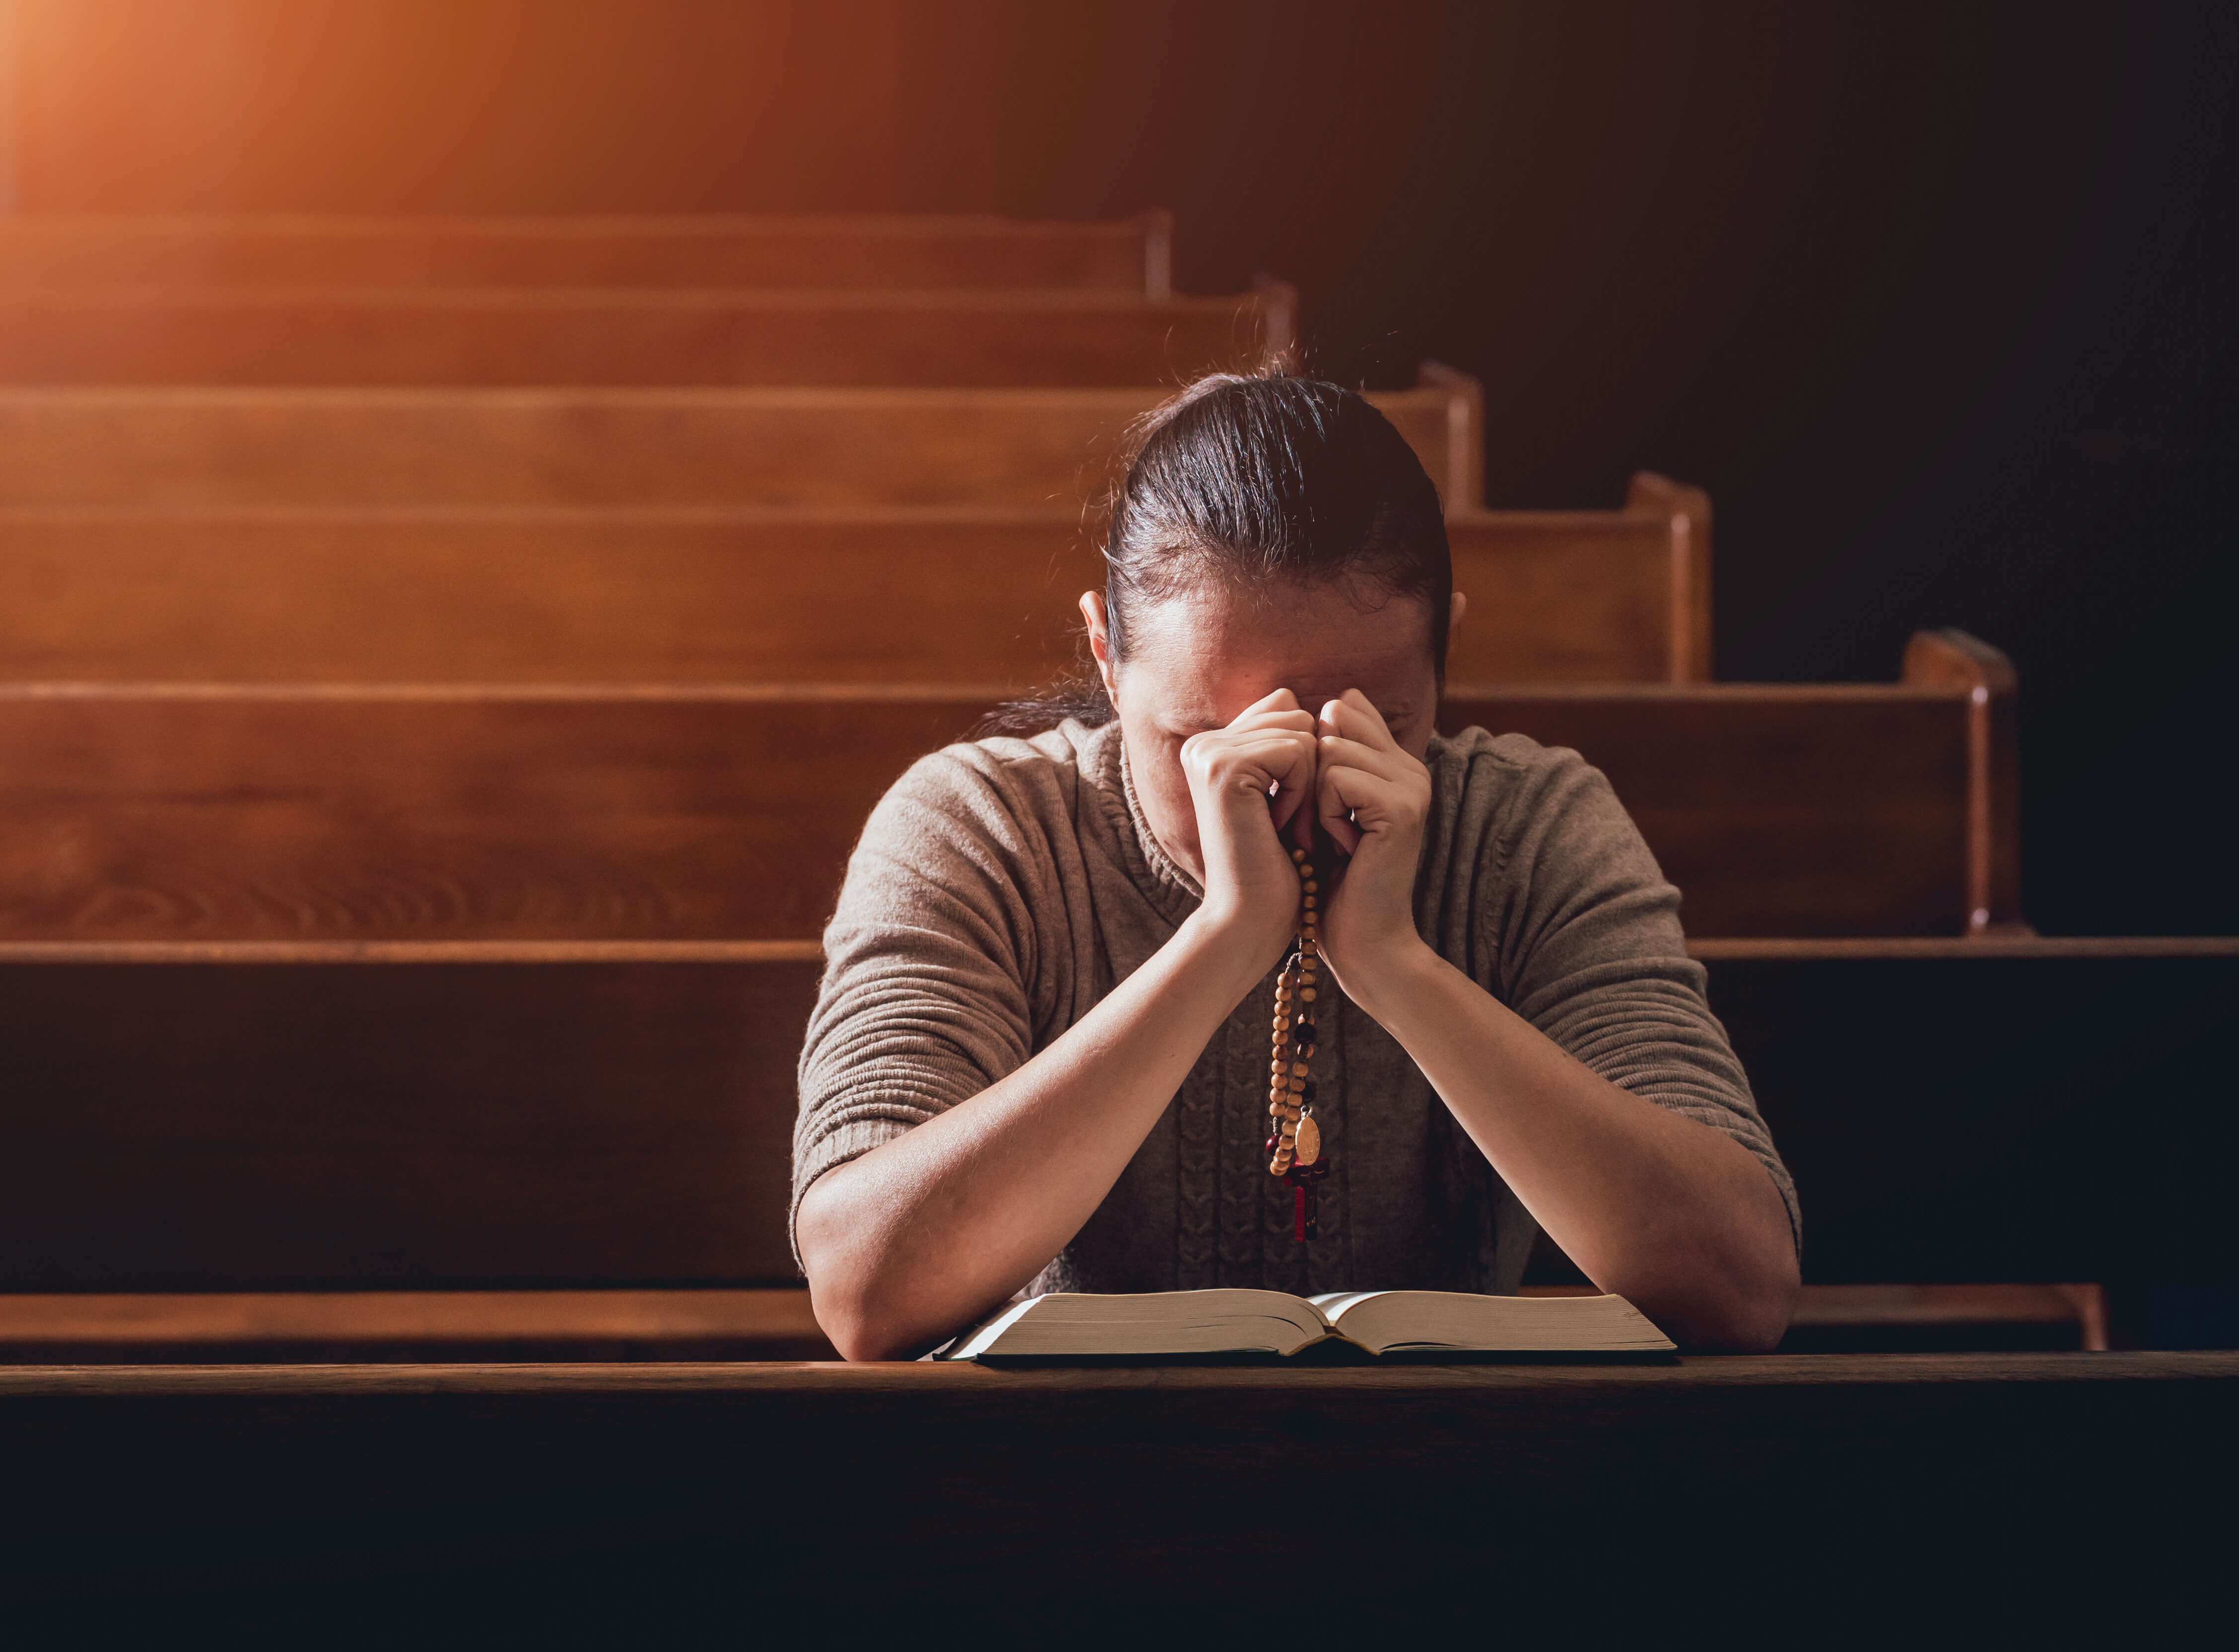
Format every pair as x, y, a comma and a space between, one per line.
362, 1326
512, 1326
1697, 1371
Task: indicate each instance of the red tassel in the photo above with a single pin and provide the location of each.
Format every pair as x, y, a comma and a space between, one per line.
1298, 1212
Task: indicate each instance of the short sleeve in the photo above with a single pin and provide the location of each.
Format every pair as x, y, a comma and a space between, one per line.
926, 998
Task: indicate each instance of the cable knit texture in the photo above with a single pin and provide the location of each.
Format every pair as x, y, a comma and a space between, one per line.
1003, 887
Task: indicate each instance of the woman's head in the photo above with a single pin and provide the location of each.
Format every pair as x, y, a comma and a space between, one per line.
1269, 533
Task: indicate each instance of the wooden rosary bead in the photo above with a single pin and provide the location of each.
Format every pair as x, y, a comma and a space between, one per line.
1294, 1150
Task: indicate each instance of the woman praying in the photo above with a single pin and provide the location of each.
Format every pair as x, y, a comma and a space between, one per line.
1064, 981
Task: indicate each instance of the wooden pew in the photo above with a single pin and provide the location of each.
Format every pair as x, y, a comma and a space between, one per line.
233, 812
2019, 1501
742, 595
72, 251
567, 336
329, 1116
173, 449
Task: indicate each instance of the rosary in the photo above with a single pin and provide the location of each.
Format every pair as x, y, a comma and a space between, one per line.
1294, 1152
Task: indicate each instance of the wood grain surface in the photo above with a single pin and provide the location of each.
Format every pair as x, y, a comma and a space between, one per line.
174, 448
389, 1326
740, 595
572, 337
273, 1127
59, 250
336, 1117
204, 1327
463, 811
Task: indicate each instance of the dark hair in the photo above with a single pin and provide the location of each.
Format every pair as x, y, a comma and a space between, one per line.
1254, 478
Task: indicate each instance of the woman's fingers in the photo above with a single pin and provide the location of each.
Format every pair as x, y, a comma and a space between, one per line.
1392, 763
1354, 716
1281, 700
1351, 800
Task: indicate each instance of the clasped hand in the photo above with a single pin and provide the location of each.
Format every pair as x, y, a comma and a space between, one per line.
1278, 775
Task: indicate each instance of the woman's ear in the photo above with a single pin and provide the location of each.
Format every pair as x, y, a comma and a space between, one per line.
1455, 609
1100, 639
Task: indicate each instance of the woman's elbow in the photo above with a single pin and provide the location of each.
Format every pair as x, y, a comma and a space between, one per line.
848, 1290
859, 1335
1751, 1313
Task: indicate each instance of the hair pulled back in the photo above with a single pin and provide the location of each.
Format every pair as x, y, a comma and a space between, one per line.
1246, 479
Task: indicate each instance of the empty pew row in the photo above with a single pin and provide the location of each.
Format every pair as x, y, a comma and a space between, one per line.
187, 449
1131, 256
674, 596
561, 337
246, 812
198, 1136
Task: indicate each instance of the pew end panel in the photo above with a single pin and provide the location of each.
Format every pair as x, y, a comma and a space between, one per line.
1585, 597
1686, 513
1951, 658
1460, 471
1276, 346
1157, 225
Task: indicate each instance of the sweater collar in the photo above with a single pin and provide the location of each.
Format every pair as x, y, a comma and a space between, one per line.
1172, 891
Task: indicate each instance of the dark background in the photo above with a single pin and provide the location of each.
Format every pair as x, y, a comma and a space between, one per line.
1936, 300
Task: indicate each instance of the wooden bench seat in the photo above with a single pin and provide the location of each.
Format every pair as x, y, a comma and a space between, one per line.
741, 595
216, 1328
563, 336
331, 1117
216, 449
69, 250
277, 812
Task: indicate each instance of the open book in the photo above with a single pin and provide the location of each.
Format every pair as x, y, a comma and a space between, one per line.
1066, 1326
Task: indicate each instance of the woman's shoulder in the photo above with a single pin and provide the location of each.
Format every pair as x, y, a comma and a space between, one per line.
1478, 765
1507, 794
1006, 777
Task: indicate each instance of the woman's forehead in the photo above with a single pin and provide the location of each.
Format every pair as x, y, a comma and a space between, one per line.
1334, 626
1204, 656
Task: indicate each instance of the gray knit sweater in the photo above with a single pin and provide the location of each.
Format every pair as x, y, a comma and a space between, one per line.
1003, 887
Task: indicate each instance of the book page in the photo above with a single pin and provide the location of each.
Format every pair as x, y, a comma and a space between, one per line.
1382, 1320
1064, 1325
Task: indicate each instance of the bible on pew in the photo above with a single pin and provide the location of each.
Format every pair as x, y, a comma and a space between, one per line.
1066, 1325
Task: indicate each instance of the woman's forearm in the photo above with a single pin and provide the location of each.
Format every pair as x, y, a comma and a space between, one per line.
1670, 1213
935, 1228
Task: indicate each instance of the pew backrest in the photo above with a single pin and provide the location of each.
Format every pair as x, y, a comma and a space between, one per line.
300, 1116
1124, 255
558, 812
743, 595
570, 336
206, 449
